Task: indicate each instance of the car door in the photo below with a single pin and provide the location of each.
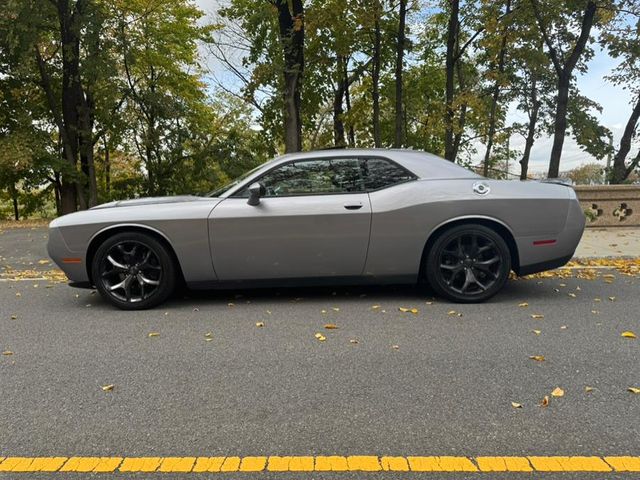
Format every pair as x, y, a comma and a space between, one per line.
313, 221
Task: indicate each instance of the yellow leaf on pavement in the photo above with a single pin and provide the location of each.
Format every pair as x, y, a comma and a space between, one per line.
628, 334
588, 389
557, 392
537, 358
259, 324
153, 334
537, 316
545, 401
634, 389
43, 261
537, 332
107, 388
353, 340
516, 405
320, 337
330, 326
7, 352
523, 304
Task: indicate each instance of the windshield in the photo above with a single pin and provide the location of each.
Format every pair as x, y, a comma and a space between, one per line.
229, 186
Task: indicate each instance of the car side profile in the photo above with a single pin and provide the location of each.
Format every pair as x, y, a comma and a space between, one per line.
351, 216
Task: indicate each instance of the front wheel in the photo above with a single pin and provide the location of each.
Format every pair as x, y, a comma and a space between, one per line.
133, 271
468, 263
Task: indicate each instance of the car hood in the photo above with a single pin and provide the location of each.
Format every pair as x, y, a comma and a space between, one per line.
149, 201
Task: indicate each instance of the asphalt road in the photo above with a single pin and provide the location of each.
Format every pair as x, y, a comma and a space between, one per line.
431, 383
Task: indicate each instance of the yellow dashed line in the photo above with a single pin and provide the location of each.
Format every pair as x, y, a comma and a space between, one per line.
336, 463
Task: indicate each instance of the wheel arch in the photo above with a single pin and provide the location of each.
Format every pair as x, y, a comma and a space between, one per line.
496, 225
99, 237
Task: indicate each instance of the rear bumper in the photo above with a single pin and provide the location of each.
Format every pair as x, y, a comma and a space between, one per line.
546, 252
544, 266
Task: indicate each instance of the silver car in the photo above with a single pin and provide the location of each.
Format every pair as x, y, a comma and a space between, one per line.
326, 217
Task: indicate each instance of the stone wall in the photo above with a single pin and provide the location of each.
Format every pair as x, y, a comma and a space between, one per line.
610, 205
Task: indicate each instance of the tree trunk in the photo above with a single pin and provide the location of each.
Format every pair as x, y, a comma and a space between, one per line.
351, 135
375, 76
462, 117
338, 97
619, 173
495, 97
14, 198
531, 130
560, 128
107, 167
399, 123
452, 40
291, 24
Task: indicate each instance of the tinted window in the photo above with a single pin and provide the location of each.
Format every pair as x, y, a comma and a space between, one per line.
313, 177
380, 173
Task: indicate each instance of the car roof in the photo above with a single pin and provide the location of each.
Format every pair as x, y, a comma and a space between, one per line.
422, 164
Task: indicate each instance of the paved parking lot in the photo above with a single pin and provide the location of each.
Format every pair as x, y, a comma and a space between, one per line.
243, 374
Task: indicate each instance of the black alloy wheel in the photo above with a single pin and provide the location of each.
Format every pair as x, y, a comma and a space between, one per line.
468, 263
133, 271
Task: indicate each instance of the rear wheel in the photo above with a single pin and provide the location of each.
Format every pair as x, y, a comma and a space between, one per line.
133, 271
468, 263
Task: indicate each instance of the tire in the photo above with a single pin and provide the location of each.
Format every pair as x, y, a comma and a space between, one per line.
133, 271
465, 270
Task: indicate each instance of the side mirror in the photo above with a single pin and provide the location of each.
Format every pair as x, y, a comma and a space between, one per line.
256, 190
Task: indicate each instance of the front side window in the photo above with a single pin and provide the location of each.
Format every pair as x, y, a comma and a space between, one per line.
313, 177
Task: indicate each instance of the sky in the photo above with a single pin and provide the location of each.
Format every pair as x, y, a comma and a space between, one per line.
614, 101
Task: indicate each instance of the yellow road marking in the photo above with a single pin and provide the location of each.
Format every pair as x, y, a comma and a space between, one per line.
336, 463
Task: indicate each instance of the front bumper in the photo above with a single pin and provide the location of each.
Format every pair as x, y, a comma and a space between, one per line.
72, 263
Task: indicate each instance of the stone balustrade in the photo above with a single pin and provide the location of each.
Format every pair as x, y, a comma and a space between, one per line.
610, 205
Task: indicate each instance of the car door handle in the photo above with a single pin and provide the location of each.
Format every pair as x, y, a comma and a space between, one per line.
353, 206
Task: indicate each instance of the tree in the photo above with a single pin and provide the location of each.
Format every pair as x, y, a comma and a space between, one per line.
291, 25
622, 42
400, 47
560, 26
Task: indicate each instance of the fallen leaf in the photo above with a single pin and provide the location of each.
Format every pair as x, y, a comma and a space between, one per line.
19, 294
633, 389
320, 337
335, 309
613, 299
545, 402
395, 347
268, 312
375, 307
7, 352
43, 262
208, 335
410, 310
14, 317
523, 304
323, 311
563, 284
572, 295
208, 339
153, 334
259, 324
231, 304
557, 392
537, 316
588, 389
595, 312
563, 327
597, 300
196, 309
330, 326
107, 388
428, 303
537, 332
628, 334
537, 358
516, 405
353, 340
